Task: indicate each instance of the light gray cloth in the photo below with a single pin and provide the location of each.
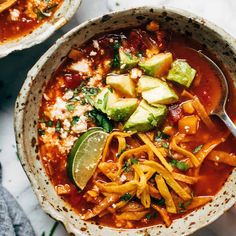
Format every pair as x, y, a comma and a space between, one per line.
13, 221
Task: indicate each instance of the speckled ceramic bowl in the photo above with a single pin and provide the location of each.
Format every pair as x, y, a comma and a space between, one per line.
63, 14
29, 99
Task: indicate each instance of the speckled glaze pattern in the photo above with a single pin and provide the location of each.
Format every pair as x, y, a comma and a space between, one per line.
27, 107
63, 14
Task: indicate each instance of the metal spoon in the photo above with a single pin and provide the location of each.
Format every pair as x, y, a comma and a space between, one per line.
220, 109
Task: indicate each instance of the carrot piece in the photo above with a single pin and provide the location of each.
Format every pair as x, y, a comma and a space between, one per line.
188, 124
188, 107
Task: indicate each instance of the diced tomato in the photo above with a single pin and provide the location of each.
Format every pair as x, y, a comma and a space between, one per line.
73, 80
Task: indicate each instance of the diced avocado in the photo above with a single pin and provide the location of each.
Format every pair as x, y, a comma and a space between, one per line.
156, 91
104, 99
146, 117
182, 73
122, 109
157, 65
127, 60
123, 84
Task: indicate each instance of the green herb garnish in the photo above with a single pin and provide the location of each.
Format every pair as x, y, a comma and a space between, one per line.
91, 91
120, 153
161, 135
41, 132
126, 167
70, 107
160, 202
110, 89
58, 126
126, 197
75, 120
133, 161
101, 120
179, 165
197, 149
165, 145
115, 63
49, 123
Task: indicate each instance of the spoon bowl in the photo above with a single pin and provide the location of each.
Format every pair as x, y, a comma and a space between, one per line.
219, 110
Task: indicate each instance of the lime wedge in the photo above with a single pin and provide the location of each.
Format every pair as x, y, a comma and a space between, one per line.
85, 155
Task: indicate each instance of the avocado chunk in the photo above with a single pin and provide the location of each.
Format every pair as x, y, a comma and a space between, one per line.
156, 91
181, 72
104, 99
146, 117
127, 60
157, 65
122, 109
123, 84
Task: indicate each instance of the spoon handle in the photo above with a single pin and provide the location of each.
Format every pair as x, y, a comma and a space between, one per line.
229, 123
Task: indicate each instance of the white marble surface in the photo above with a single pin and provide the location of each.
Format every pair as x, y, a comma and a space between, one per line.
13, 70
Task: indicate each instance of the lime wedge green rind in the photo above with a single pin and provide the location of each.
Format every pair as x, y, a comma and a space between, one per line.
85, 155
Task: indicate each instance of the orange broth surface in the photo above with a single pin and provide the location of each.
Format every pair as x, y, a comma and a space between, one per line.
25, 23
208, 89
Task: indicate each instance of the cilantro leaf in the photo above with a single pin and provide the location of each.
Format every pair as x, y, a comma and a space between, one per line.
101, 120
179, 165
197, 149
126, 197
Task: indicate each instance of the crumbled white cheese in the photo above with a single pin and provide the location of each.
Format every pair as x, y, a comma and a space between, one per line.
68, 95
64, 135
81, 109
96, 44
82, 66
123, 178
66, 124
93, 53
14, 14
95, 80
57, 111
66, 144
135, 73
81, 125
111, 40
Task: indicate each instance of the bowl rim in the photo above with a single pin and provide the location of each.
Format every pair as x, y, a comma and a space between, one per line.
53, 24
19, 114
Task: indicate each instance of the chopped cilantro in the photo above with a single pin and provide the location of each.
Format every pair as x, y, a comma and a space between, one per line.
120, 153
126, 197
126, 166
58, 126
75, 119
161, 135
101, 119
160, 202
49, 123
165, 145
76, 92
115, 63
41, 132
197, 149
152, 120
99, 101
133, 161
70, 107
148, 216
105, 101
91, 91
179, 165
110, 89
83, 101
